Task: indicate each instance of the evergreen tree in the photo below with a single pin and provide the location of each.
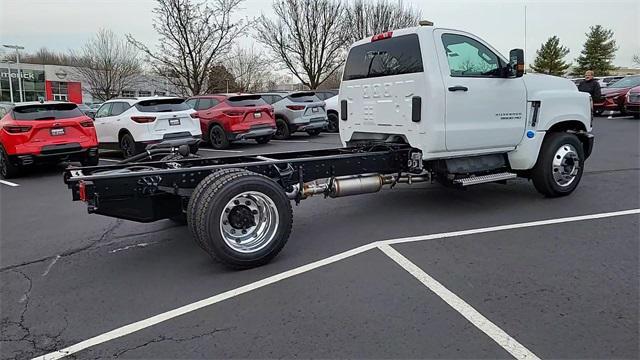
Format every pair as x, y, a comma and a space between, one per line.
550, 58
598, 52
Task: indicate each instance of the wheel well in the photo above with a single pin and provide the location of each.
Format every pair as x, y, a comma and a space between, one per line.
567, 125
121, 134
332, 112
572, 125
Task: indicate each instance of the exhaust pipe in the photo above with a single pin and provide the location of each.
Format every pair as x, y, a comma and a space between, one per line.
352, 185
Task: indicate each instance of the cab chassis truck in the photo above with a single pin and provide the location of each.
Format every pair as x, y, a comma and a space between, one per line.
420, 116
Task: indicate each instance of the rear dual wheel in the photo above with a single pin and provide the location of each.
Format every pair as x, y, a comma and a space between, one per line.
242, 219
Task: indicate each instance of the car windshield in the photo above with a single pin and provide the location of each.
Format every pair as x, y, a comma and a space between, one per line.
631, 81
162, 105
46, 112
246, 100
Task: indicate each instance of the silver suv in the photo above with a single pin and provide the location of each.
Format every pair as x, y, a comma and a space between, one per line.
297, 111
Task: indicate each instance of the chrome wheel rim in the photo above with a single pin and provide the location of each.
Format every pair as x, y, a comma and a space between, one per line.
565, 165
249, 222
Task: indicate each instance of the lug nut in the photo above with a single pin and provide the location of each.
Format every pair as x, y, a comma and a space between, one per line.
236, 202
255, 212
247, 202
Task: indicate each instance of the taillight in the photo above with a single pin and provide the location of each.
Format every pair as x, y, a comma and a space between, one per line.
143, 119
296, 107
86, 123
233, 112
82, 191
384, 35
194, 116
16, 129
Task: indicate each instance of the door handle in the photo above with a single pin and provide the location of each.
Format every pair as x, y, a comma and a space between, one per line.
458, 88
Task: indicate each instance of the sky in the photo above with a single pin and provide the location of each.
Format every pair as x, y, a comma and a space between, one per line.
66, 24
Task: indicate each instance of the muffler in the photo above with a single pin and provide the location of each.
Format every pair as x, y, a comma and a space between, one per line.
351, 185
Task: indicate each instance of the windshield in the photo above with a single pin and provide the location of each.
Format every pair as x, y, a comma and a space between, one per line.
631, 81
46, 112
394, 56
162, 105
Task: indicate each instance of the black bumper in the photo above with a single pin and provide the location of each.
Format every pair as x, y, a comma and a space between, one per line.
632, 109
55, 153
254, 132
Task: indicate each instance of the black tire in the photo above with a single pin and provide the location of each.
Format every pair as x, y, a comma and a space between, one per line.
8, 170
128, 146
219, 201
90, 160
194, 202
282, 130
263, 139
218, 138
543, 172
314, 132
333, 126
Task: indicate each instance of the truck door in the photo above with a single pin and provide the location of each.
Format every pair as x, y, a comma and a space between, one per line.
484, 110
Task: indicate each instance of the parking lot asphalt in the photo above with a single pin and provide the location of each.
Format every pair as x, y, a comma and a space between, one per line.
561, 290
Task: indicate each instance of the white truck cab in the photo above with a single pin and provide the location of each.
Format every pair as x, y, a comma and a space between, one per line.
472, 112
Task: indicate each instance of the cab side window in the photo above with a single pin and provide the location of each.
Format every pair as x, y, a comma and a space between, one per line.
469, 58
104, 110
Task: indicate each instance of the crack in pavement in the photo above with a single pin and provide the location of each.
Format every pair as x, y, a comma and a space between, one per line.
105, 235
163, 338
39, 343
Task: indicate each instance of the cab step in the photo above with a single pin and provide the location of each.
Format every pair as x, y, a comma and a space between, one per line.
475, 180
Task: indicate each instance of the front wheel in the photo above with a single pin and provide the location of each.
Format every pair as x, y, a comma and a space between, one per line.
242, 219
560, 165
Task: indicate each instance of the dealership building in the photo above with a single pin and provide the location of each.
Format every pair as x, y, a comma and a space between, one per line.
63, 83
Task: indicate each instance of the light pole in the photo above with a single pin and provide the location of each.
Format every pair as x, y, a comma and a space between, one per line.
17, 48
10, 81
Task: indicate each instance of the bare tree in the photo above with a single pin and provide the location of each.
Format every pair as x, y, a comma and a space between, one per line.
43, 56
307, 38
249, 69
194, 36
107, 64
369, 18
636, 60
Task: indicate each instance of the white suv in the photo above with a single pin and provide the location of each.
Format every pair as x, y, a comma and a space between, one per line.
130, 124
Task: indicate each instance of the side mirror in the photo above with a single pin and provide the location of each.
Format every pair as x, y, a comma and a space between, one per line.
516, 62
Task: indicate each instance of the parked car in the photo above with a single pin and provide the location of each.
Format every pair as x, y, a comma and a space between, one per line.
297, 111
632, 102
613, 96
87, 110
326, 94
226, 118
333, 114
130, 124
38, 132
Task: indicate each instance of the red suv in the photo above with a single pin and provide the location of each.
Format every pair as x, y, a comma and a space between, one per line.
37, 132
227, 118
613, 96
632, 102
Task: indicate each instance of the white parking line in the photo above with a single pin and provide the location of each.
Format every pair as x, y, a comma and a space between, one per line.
482, 323
228, 151
143, 324
8, 183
